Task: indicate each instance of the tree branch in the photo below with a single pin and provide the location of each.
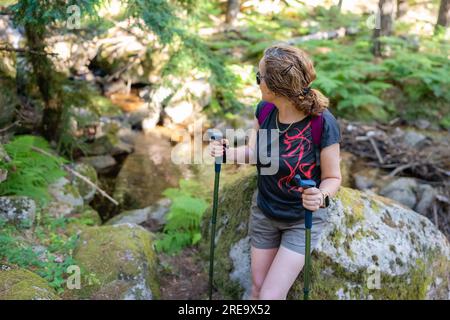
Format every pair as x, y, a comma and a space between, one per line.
70, 170
27, 51
9, 127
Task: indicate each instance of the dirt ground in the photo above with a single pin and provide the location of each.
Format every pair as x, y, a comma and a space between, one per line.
184, 276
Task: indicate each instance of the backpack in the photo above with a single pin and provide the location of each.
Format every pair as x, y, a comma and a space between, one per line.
316, 126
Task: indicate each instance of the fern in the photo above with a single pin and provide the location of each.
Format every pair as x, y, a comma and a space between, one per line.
184, 218
30, 172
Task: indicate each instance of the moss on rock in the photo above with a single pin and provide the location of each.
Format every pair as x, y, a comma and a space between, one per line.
122, 252
20, 284
233, 214
80, 221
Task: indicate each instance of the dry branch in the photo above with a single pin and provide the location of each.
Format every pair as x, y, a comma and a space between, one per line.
77, 174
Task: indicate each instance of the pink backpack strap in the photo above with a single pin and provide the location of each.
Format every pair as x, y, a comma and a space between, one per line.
266, 108
316, 132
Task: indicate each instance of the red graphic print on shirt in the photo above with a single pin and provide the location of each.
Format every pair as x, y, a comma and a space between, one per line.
296, 145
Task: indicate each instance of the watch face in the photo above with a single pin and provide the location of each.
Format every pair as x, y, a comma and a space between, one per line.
327, 201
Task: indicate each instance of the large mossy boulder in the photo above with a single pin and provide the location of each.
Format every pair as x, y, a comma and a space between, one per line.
371, 248
20, 284
117, 262
146, 173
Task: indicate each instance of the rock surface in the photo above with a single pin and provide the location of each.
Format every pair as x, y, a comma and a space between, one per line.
367, 237
19, 284
146, 173
117, 257
154, 214
18, 210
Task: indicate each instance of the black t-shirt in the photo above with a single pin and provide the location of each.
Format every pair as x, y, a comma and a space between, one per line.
277, 196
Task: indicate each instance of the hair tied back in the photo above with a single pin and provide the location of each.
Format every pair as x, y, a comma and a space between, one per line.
305, 91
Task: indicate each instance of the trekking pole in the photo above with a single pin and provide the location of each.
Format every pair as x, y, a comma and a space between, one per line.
217, 166
305, 184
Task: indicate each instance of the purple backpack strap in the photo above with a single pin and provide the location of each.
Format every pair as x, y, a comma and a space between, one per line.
316, 126
316, 132
266, 108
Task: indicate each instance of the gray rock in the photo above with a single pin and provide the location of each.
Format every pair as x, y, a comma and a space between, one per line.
63, 191
414, 139
426, 195
362, 182
66, 199
100, 163
156, 99
113, 87
188, 101
108, 139
18, 210
422, 124
239, 254
155, 213
402, 190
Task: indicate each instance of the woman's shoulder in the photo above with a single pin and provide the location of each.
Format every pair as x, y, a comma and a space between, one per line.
331, 129
327, 114
329, 118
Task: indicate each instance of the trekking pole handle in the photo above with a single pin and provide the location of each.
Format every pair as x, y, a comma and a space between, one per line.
306, 184
221, 159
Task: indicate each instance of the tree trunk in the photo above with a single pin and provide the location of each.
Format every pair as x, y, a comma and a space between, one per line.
444, 14
384, 24
233, 8
340, 5
402, 7
43, 71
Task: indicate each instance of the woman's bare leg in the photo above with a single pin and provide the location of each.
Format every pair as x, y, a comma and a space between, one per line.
261, 259
285, 268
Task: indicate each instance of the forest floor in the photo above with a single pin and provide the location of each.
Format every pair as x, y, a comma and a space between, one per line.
184, 276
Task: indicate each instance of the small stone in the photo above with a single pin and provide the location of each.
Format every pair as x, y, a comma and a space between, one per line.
414, 139
100, 163
426, 195
402, 190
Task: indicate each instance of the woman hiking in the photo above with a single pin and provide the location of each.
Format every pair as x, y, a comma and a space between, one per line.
276, 226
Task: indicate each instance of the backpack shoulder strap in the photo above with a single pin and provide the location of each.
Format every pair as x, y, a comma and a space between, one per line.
316, 132
266, 108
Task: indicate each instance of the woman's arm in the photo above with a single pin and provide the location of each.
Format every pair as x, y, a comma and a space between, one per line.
330, 178
331, 171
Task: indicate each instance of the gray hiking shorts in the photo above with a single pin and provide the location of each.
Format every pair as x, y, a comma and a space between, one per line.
266, 233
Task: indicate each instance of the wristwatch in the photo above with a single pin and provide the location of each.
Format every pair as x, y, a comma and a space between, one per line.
325, 199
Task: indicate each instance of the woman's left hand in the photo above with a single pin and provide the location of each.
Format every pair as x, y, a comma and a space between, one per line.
312, 198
